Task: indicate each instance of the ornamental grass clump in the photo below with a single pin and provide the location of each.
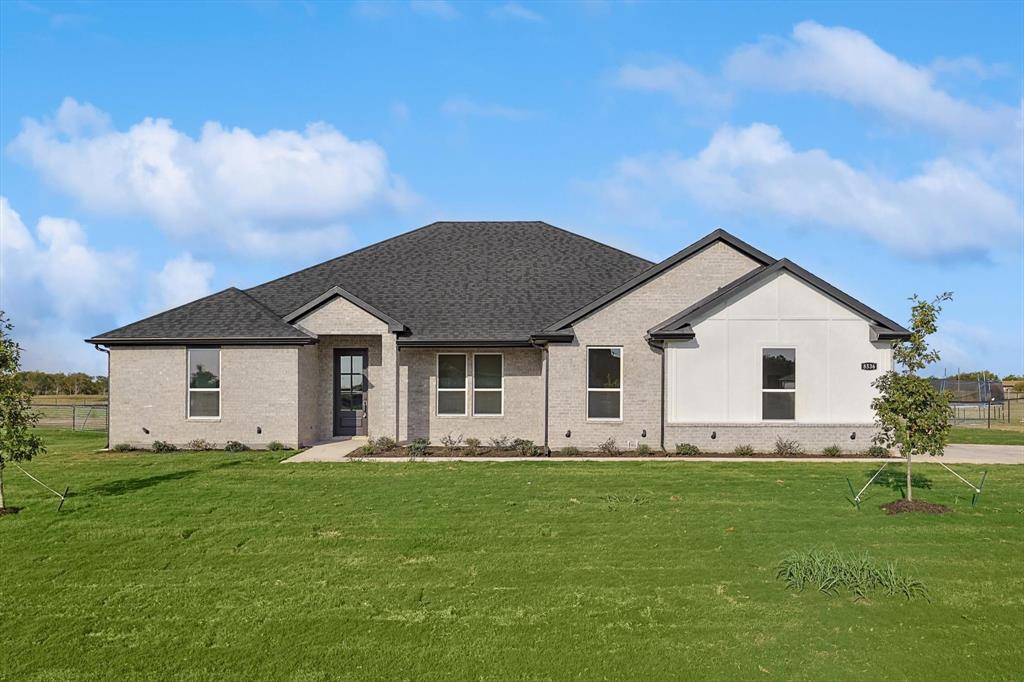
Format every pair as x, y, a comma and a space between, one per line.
418, 448
472, 447
832, 451
787, 448
609, 448
831, 571
743, 450
687, 449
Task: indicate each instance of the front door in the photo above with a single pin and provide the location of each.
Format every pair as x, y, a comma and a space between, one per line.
350, 392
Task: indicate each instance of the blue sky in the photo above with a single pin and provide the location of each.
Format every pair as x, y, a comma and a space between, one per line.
153, 153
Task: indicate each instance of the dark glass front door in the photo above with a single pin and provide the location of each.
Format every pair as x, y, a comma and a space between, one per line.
350, 392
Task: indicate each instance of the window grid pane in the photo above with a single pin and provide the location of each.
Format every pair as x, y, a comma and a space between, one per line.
603, 404
451, 402
204, 403
451, 371
487, 371
204, 367
487, 402
604, 368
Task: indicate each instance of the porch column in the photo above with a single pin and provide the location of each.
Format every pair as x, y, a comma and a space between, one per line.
389, 388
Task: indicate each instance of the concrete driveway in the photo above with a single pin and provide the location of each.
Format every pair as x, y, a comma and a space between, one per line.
979, 454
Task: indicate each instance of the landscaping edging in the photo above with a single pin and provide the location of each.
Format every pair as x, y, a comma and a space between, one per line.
624, 458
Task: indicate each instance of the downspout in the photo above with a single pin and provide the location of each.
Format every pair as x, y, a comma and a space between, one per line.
398, 391
663, 397
107, 351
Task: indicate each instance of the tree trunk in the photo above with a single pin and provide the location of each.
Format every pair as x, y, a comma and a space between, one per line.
910, 490
2, 485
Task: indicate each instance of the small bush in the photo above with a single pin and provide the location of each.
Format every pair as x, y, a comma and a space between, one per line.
687, 449
123, 447
569, 451
829, 572
200, 445
163, 446
643, 449
878, 451
276, 445
609, 448
472, 447
418, 448
366, 450
743, 450
451, 443
786, 448
235, 446
501, 442
832, 451
384, 443
525, 448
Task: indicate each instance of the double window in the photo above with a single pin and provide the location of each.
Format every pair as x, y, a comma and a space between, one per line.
453, 385
604, 383
203, 383
778, 383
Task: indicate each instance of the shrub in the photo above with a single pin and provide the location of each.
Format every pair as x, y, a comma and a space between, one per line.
418, 447
366, 450
569, 451
276, 445
123, 447
643, 449
472, 446
609, 448
200, 445
877, 451
743, 450
525, 448
163, 446
784, 448
687, 449
832, 451
828, 572
235, 446
501, 442
450, 443
384, 443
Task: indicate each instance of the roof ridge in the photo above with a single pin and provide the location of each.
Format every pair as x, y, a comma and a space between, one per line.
270, 312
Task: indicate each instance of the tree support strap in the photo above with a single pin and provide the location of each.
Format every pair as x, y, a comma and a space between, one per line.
856, 496
61, 496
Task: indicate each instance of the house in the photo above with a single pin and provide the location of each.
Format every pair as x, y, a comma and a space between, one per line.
510, 328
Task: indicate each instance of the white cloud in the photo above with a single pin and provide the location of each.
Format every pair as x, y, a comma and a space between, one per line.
945, 209
181, 280
59, 290
437, 8
682, 82
464, 107
513, 10
848, 65
228, 184
968, 66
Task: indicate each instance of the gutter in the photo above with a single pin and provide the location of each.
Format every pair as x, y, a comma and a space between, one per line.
218, 341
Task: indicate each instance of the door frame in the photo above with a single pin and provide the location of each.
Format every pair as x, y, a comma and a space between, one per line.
335, 413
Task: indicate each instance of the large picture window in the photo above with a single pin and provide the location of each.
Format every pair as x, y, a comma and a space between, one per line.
488, 393
604, 383
203, 383
451, 384
778, 383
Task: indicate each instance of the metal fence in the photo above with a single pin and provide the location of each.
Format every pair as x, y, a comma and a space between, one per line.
987, 414
78, 417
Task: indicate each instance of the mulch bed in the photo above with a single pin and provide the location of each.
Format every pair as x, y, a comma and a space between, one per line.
515, 454
901, 506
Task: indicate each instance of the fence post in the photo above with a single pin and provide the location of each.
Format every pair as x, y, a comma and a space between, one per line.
74, 417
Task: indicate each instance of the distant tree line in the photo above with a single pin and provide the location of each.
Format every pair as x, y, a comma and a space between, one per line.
983, 375
59, 383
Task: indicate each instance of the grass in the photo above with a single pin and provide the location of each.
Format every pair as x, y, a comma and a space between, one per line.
70, 399
232, 566
981, 436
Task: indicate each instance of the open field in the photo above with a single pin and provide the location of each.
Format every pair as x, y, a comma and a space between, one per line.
70, 399
231, 566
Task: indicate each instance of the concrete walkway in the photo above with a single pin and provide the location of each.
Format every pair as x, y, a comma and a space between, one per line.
341, 451
329, 451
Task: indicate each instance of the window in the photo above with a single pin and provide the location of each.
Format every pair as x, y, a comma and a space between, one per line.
488, 396
203, 383
451, 384
604, 383
778, 383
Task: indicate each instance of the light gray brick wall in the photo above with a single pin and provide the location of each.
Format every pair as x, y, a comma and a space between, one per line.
625, 323
524, 397
813, 438
380, 393
338, 316
309, 394
259, 388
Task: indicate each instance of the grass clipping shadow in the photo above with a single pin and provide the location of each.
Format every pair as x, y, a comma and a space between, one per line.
832, 571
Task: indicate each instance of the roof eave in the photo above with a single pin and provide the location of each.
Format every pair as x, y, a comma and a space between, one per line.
195, 341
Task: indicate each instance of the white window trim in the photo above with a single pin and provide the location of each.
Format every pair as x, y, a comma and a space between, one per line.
463, 390
490, 390
189, 389
778, 346
619, 390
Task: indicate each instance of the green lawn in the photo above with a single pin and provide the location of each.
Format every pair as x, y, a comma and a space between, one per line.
231, 566
985, 436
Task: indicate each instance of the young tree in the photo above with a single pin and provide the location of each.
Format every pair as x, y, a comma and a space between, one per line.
17, 442
911, 414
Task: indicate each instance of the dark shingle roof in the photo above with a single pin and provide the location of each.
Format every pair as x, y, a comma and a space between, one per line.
226, 315
466, 280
